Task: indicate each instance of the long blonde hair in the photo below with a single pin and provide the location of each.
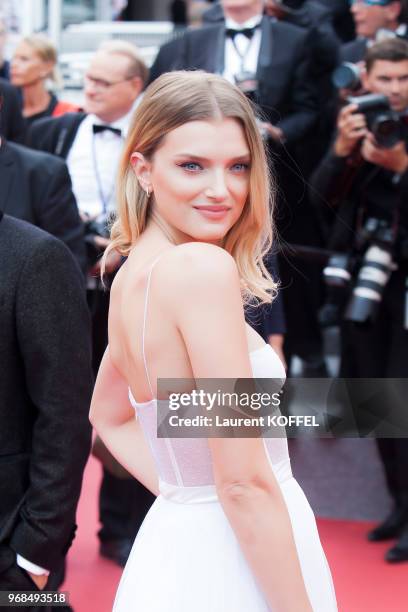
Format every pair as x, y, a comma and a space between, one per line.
170, 101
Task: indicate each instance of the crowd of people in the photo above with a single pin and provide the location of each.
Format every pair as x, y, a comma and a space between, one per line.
339, 166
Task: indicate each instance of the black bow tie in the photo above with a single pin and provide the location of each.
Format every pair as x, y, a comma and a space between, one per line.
98, 128
248, 32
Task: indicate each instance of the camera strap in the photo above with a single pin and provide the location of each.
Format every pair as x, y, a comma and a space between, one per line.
244, 55
104, 198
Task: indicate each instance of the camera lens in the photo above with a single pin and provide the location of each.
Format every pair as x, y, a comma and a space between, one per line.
347, 76
336, 273
371, 281
337, 278
387, 130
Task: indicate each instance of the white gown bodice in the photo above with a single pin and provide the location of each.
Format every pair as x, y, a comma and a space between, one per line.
186, 462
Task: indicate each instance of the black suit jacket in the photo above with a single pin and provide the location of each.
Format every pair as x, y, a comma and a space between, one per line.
45, 391
54, 134
36, 187
286, 94
12, 123
5, 70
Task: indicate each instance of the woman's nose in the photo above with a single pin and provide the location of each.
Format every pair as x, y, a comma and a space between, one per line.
217, 188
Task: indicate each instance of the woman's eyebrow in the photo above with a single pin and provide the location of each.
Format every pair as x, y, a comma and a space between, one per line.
243, 157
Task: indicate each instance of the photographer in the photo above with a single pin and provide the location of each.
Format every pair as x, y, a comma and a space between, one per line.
366, 187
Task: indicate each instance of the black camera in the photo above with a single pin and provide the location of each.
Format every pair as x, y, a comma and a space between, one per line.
387, 125
337, 276
98, 226
247, 82
371, 270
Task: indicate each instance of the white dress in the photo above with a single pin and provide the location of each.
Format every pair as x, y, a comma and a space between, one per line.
186, 557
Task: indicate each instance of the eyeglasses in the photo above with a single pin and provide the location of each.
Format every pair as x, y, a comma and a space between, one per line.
371, 2
101, 84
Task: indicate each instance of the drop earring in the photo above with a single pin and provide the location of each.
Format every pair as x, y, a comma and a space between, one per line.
147, 191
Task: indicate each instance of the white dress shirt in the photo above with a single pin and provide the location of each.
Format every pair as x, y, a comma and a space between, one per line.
31, 567
246, 58
93, 163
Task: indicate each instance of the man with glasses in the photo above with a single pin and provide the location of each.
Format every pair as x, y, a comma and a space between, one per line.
371, 18
92, 143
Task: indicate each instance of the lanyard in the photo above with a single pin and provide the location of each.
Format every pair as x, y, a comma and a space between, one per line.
103, 198
243, 56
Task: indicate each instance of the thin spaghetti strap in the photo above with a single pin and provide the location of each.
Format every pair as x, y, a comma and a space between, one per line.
144, 321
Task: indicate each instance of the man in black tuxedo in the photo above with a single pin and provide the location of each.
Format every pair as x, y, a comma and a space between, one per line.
12, 124
45, 392
277, 53
337, 10
36, 187
91, 143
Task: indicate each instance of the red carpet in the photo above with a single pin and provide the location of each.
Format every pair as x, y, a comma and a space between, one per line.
363, 581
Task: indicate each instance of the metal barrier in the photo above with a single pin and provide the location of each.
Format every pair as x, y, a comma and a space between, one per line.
88, 36
79, 42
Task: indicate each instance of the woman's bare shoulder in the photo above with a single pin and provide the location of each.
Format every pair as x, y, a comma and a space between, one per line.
195, 276
193, 262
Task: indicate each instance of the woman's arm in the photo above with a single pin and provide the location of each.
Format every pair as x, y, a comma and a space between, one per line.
254, 505
114, 419
207, 306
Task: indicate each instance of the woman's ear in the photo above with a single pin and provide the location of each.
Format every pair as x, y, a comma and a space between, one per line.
48, 69
141, 167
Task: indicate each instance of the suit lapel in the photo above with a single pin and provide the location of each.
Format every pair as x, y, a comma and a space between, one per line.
7, 175
265, 58
219, 46
67, 134
209, 55
271, 62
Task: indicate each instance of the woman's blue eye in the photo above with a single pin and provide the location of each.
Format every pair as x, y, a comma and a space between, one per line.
240, 167
191, 166
195, 167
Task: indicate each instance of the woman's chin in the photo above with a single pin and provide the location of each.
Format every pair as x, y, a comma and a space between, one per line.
210, 235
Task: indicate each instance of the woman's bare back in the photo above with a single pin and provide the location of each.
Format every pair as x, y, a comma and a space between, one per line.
135, 307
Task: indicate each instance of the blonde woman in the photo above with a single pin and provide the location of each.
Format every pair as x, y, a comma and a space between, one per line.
230, 530
33, 66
